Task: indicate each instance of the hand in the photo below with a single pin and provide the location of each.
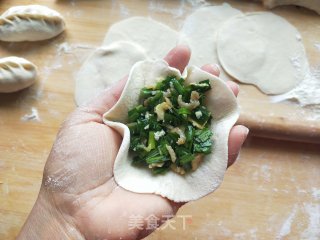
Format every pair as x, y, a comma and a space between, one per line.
79, 198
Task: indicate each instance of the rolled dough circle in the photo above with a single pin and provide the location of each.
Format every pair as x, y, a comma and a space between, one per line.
200, 30
104, 67
262, 49
156, 38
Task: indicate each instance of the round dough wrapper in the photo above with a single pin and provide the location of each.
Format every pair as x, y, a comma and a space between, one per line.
220, 101
104, 67
156, 38
200, 29
262, 49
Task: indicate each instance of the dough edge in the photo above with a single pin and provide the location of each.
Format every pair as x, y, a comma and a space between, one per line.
171, 185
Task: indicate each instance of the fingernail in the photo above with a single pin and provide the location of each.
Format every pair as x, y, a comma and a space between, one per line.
184, 45
215, 67
245, 131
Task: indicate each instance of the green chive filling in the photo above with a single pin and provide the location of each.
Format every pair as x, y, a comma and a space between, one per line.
170, 127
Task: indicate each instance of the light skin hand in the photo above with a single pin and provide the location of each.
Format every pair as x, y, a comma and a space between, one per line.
79, 198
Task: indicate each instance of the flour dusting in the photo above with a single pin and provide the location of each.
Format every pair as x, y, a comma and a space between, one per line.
306, 94
316, 193
286, 226
158, 6
33, 116
68, 48
182, 8
312, 232
266, 172
198, 3
225, 231
124, 11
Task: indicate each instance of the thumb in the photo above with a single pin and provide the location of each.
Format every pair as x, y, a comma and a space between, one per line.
94, 109
107, 98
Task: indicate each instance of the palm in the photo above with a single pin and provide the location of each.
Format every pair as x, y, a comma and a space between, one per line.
79, 175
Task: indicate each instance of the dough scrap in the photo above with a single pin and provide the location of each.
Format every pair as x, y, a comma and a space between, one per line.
311, 4
105, 66
262, 49
220, 101
156, 38
200, 29
30, 23
16, 74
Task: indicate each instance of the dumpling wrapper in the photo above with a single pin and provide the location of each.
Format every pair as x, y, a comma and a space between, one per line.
263, 49
200, 30
220, 101
154, 37
105, 66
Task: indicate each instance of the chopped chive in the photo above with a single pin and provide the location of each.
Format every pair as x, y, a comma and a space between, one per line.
178, 86
184, 110
151, 142
150, 135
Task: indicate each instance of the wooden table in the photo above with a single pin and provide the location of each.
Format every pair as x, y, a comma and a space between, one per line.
273, 190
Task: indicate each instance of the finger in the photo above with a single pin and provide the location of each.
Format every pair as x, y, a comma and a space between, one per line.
178, 57
234, 87
212, 69
176, 205
237, 136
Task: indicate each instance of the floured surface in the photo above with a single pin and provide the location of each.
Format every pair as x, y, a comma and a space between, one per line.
306, 94
192, 186
272, 189
289, 175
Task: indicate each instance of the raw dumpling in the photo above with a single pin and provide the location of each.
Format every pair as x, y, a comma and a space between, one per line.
105, 66
220, 101
30, 23
16, 74
262, 49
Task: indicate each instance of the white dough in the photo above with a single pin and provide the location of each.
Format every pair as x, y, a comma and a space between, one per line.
156, 38
200, 29
104, 67
311, 4
262, 49
30, 23
220, 101
126, 43
16, 74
